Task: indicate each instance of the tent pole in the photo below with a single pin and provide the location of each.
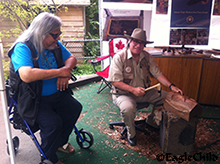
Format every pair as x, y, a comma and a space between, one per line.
5, 111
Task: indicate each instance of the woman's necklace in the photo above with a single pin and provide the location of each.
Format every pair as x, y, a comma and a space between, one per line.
47, 59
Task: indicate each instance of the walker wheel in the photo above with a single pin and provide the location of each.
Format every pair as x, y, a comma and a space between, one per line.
111, 126
46, 161
122, 137
86, 139
15, 143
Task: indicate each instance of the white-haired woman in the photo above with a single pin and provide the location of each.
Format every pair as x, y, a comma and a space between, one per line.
58, 111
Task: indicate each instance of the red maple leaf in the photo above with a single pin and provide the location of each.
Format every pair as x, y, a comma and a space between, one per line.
120, 45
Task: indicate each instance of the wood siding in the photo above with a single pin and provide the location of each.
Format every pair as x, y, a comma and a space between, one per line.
73, 29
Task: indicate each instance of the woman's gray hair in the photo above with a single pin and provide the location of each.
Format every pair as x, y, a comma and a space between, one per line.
41, 26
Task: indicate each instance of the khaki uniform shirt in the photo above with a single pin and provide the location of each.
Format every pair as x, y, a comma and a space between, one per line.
117, 69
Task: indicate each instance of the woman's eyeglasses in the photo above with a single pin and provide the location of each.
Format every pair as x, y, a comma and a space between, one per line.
55, 36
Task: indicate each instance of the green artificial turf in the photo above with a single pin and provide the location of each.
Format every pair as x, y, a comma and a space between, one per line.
98, 109
98, 112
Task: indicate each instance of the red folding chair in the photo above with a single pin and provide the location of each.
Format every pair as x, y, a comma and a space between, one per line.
115, 45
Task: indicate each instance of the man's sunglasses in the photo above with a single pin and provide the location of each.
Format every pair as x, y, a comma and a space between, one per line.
55, 36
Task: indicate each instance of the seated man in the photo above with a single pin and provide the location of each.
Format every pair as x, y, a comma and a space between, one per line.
57, 110
129, 74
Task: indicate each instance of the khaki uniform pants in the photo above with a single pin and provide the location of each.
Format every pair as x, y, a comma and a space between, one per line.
128, 103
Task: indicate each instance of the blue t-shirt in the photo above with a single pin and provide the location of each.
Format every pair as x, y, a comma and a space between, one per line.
22, 57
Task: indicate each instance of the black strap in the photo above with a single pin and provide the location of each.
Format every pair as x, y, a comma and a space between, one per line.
58, 56
59, 59
14, 79
33, 53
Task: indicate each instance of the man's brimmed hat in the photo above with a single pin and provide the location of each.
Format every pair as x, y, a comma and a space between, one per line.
139, 34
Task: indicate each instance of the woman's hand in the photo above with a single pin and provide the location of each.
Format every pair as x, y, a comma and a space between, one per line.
62, 83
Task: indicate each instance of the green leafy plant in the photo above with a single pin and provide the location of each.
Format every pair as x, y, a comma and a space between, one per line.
23, 12
92, 48
84, 69
92, 18
6, 64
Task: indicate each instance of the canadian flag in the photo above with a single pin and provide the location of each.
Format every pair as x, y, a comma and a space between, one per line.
116, 45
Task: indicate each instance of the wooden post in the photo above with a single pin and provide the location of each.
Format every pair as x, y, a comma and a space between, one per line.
177, 136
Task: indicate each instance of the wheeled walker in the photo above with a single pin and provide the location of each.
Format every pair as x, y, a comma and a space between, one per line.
84, 138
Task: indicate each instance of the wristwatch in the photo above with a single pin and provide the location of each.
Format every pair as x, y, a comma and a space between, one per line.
171, 85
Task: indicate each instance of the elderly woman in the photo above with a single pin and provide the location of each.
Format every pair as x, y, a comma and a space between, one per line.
57, 110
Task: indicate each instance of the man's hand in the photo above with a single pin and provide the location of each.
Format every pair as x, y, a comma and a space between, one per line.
175, 89
138, 91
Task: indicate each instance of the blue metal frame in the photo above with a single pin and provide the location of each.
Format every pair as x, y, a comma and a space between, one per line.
76, 130
14, 104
